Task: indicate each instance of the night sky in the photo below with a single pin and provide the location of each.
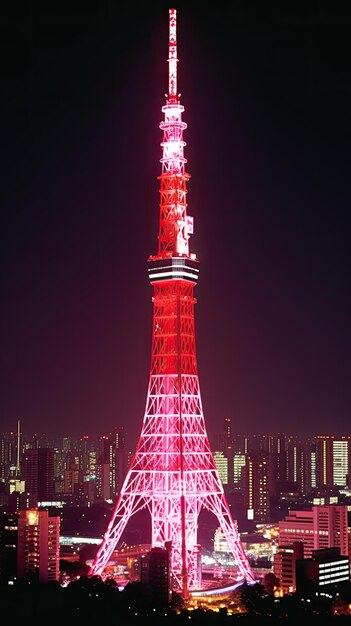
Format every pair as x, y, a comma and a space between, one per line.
266, 90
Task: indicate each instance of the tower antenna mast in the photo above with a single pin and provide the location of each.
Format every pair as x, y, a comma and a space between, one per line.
172, 57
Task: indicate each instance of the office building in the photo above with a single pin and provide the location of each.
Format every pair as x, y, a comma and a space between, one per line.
317, 528
239, 462
38, 553
114, 454
8, 455
72, 479
323, 572
256, 486
8, 547
155, 574
39, 474
103, 490
222, 466
333, 460
284, 565
340, 462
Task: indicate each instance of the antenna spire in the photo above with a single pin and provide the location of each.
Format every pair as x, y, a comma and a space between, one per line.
172, 57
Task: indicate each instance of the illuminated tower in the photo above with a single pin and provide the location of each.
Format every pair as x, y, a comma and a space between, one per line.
173, 472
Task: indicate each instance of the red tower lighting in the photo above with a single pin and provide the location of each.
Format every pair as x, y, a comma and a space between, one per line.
173, 472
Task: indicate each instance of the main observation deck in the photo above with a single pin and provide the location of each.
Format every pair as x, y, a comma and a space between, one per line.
173, 268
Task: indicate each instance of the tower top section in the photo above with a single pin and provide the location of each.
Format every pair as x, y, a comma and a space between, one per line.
175, 226
172, 57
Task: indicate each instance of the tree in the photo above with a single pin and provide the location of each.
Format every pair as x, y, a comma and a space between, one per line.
270, 583
252, 597
73, 569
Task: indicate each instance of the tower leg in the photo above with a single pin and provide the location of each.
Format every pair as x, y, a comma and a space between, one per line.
126, 506
218, 505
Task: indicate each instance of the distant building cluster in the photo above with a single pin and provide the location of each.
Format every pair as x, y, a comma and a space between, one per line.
76, 471
265, 475
291, 498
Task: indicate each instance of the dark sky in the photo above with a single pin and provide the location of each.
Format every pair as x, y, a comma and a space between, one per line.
266, 90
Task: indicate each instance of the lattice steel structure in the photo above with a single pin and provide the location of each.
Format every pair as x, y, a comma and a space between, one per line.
173, 472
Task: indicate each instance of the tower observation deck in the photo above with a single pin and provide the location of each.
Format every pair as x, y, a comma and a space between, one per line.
173, 473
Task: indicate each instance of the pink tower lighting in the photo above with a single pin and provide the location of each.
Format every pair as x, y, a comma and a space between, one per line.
173, 473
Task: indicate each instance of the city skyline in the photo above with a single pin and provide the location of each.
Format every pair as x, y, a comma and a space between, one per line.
82, 211
45, 439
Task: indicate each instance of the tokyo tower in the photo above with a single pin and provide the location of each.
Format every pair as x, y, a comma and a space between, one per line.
173, 473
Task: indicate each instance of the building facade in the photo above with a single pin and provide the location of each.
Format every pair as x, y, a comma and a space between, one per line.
284, 565
155, 574
323, 572
39, 474
38, 553
317, 528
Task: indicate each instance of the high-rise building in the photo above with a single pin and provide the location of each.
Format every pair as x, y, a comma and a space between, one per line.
39, 474
66, 445
311, 467
279, 462
8, 547
332, 460
83, 450
226, 445
292, 458
340, 462
18, 501
38, 546
324, 458
92, 460
322, 573
103, 489
222, 466
257, 486
284, 565
173, 473
72, 479
317, 528
155, 575
239, 462
228, 442
58, 469
115, 455
8, 455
